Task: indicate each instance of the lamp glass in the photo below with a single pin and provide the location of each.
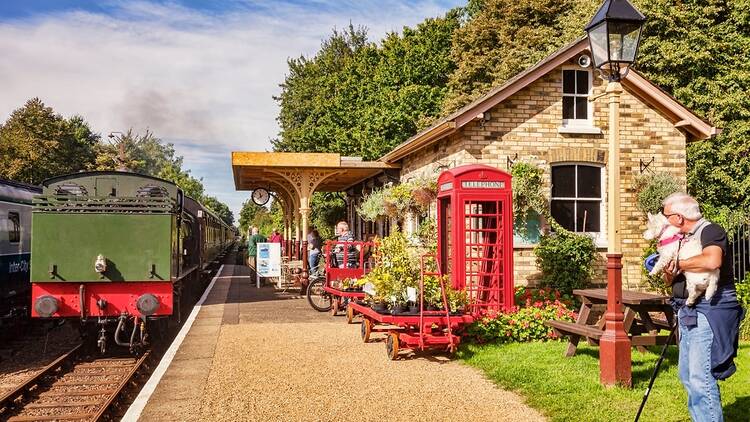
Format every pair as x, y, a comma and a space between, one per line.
598, 43
623, 41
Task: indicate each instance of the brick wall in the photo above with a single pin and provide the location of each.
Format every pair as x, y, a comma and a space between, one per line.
527, 124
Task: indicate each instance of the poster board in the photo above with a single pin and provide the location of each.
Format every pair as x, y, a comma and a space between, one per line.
268, 261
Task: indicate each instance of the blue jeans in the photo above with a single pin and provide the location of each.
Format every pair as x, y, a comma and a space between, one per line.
312, 259
704, 399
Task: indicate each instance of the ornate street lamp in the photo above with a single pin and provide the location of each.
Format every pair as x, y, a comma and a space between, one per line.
614, 34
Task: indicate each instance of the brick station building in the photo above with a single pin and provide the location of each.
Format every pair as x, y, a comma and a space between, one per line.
550, 115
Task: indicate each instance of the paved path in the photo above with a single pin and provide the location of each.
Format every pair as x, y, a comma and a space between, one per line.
258, 355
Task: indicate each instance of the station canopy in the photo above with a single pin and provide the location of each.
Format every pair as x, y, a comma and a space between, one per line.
324, 172
294, 177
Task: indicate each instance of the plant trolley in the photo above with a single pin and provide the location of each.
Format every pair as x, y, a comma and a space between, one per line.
346, 262
474, 252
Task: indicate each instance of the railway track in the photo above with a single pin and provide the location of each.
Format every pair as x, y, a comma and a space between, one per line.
74, 387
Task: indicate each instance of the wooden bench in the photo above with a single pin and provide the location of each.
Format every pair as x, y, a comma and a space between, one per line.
642, 327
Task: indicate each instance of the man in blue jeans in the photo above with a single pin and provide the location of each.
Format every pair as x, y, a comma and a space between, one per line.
709, 331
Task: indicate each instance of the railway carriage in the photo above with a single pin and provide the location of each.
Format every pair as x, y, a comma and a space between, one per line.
15, 248
118, 251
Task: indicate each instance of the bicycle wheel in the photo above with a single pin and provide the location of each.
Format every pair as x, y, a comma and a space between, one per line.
318, 298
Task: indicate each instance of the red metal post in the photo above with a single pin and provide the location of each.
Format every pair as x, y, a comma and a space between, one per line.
614, 346
305, 265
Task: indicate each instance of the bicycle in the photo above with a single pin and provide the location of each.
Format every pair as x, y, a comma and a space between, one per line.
319, 299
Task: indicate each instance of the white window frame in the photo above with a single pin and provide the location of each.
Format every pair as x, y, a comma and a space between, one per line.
600, 237
578, 125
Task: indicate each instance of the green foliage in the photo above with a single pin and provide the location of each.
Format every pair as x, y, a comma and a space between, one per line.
36, 144
221, 209
427, 234
528, 196
568, 389
191, 186
651, 189
372, 207
255, 215
697, 51
566, 260
327, 209
398, 200
743, 296
654, 282
358, 98
397, 267
504, 37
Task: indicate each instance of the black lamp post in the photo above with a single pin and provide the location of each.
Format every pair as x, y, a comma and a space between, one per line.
614, 34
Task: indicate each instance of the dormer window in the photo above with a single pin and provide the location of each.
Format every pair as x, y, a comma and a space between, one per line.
577, 112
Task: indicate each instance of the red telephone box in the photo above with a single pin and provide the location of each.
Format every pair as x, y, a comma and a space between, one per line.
475, 234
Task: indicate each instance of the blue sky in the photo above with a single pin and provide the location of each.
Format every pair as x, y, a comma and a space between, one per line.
199, 74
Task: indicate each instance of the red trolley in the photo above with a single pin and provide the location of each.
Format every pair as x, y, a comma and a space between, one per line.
475, 250
345, 260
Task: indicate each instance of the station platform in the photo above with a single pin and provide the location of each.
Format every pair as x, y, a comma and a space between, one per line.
261, 354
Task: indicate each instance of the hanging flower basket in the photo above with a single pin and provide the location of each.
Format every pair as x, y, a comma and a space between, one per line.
423, 197
390, 209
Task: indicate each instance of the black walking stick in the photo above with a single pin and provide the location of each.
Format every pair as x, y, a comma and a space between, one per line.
656, 371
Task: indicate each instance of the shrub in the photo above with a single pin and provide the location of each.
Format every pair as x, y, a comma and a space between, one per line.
566, 260
655, 282
522, 324
743, 296
528, 196
651, 189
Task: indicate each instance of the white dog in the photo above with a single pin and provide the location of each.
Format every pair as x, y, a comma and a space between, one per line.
669, 246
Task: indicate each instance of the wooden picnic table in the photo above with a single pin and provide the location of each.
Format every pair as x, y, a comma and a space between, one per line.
641, 326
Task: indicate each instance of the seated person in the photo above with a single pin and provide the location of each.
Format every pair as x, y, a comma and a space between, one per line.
352, 251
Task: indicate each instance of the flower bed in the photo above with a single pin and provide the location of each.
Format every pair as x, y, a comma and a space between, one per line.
525, 322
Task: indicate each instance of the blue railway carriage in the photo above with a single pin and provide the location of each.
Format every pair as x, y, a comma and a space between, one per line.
15, 247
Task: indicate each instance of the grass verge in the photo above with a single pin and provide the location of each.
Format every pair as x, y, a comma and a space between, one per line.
568, 389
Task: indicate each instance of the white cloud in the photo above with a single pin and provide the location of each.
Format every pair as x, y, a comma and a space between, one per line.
202, 80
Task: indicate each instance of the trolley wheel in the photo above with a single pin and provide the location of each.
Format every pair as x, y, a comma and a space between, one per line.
335, 306
365, 329
391, 346
318, 298
349, 314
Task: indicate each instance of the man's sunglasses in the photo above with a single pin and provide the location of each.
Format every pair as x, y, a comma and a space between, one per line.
667, 215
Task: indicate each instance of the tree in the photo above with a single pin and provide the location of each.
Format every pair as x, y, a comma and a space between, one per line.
357, 98
143, 154
697, 51
501, 38
253, 215
36, 144
220, 208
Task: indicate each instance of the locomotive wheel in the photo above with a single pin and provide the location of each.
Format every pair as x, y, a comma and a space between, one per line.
318, 298
335, 307
365, 330
391, 346
349, 314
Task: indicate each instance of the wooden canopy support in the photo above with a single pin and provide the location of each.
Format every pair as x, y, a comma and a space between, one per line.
294, 177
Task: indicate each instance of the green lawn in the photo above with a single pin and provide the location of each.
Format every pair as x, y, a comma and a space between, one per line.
568, 389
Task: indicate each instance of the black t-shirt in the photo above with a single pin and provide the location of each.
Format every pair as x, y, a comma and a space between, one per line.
712, 235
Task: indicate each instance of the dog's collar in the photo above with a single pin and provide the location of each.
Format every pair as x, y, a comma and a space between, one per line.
669, 240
